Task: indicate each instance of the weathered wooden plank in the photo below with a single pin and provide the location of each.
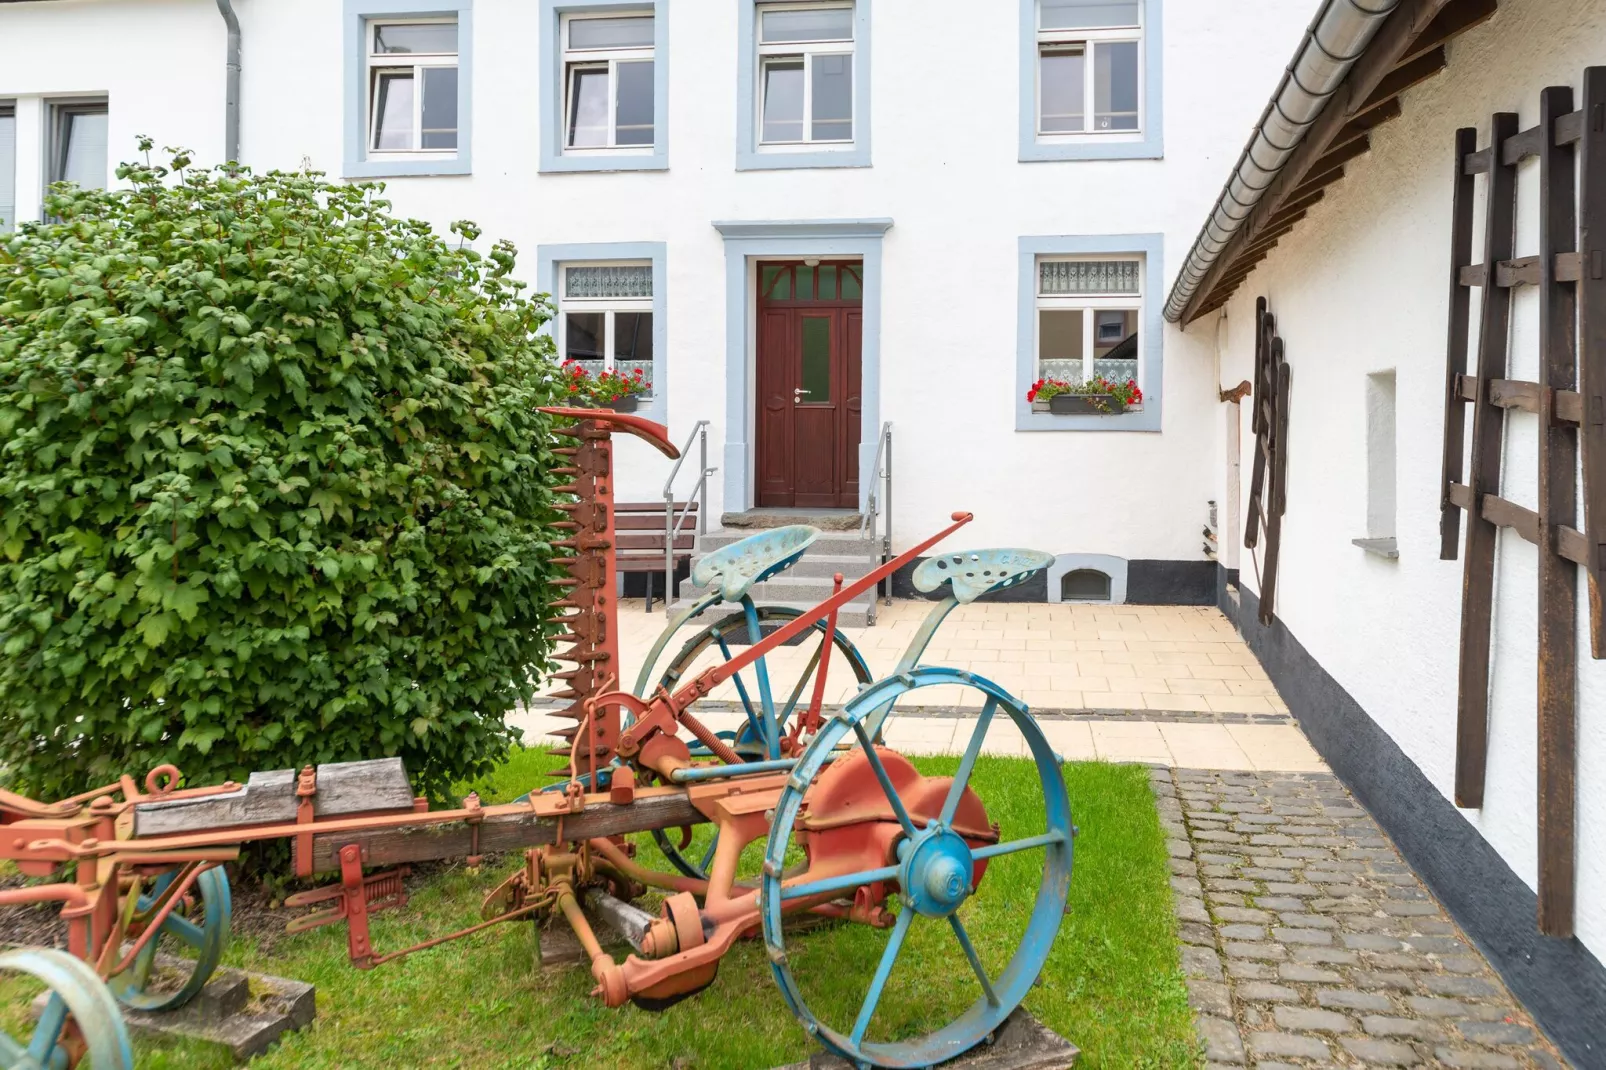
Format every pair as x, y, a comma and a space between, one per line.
1592, 341
270, 797
1405, 75
1506, 514
1569, 267
1523, 145
1571, 544
1488, 426
422, 843
1461, 495
1477, 163
1257, 478
1278, 497
1521, 271
1455, 360
1570, 128
1456, 19
1558, 508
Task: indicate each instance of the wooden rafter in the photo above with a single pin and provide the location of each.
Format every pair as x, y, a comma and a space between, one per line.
1407, 49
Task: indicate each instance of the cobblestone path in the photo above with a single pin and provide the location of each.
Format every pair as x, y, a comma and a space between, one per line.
1307, 941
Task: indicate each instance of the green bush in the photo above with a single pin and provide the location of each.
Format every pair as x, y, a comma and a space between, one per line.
273, 486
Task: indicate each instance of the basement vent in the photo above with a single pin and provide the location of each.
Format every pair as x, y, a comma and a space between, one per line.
1085, 585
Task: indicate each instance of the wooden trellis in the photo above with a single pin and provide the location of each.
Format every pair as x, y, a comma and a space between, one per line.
1268, 482
1570, 272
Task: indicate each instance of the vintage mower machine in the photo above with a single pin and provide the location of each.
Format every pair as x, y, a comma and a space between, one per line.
852, 832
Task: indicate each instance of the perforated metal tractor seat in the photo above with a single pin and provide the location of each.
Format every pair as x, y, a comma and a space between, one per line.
734, 569
973, 573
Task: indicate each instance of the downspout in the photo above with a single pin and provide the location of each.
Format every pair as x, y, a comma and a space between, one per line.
1337, 37
231, 92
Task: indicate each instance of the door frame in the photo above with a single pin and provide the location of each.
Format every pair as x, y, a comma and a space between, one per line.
747, 243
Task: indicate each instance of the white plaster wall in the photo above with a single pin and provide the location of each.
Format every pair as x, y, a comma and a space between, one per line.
945, 145
1362, 286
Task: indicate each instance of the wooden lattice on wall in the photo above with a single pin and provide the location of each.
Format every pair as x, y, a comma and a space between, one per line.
1268, 483
1570, 273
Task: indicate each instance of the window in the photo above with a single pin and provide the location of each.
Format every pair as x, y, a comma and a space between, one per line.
8, 167
412, 86
1087, 319
803, 84
805, 75
78, 132
1088, 66
608, 82
1380, 443
1085, 585
605, 318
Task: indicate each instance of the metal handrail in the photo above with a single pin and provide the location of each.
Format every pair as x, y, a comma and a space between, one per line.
880, 469
699, 495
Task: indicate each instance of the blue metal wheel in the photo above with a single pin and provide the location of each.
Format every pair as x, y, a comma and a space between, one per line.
933, 869
76, 996
190, 940
752, 739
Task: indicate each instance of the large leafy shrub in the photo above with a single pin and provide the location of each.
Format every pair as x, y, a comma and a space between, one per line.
272, 484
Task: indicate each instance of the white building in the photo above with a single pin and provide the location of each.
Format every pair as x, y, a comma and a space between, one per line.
1350, 247
932, 156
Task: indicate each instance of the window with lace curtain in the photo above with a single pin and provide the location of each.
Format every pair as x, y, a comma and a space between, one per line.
605, 318
1088, 311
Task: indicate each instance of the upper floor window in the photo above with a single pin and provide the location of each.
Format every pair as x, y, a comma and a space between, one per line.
8, 167
605, 318
608, 81
805, 81
412, 86
1089, 67
1088, 311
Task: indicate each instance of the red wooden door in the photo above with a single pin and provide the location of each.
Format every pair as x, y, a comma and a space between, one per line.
810, 331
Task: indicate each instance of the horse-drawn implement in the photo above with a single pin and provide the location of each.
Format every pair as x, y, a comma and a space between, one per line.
852, 830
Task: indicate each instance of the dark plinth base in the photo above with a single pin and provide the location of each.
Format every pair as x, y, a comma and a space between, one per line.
1023, 1044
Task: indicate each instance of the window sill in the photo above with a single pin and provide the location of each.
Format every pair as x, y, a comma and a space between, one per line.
401, 168
1147, 147
1137, 419
633, 161
1388, 547
771, 160
1042, 407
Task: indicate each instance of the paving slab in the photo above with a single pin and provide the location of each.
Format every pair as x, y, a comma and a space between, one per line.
1023, 1043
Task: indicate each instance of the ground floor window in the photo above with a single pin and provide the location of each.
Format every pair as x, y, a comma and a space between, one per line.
1088, 311
78, 135
605, 318
8, 167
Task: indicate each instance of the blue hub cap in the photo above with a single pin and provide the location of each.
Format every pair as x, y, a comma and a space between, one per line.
936, 871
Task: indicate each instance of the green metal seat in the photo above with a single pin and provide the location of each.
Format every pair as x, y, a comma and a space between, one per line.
734, 569
973, 573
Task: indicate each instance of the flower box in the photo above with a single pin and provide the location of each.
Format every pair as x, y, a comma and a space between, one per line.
628, 403
1085, 405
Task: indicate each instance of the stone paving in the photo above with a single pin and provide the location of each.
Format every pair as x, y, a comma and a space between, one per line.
1307, 941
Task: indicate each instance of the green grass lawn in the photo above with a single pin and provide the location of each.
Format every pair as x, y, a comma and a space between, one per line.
1112, 984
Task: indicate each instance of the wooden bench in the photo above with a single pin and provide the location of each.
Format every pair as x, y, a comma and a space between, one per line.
640, 530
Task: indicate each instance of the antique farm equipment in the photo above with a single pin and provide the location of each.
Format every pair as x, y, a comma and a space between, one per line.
852, 830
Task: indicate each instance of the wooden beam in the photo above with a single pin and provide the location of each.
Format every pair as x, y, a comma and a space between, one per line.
1361, 124
1456, 19
1592, 341
1488, 425
1293, 208
1403, 77
1325, 178
1558, 508
1455, 415
1388, 47
1335, 158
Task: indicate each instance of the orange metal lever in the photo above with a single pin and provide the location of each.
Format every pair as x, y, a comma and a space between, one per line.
649, 431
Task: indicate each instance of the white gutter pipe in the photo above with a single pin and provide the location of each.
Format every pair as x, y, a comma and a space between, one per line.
1337, 37
231, 89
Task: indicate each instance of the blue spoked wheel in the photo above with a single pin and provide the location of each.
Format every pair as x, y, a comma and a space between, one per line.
934, 869
747, 740
191, 942
75, 994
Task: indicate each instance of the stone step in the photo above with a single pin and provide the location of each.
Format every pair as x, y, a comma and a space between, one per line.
852, 615
831, 543
834, 520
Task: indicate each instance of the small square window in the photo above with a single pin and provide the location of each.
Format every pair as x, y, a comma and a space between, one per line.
609, 83
412, 87
805, 84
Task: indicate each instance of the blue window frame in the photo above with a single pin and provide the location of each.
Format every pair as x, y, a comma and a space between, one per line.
611, 329
1091, 76
802, 83
389, 130
1143, 308
611, 152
